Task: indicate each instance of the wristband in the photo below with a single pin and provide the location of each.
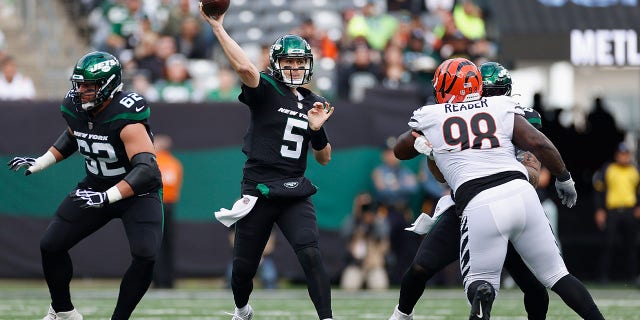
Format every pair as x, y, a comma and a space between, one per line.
43, 162
113, 194
564, 175
319, 139
430, 156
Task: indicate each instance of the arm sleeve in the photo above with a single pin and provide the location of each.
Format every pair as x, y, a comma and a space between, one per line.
145, 176
66, 144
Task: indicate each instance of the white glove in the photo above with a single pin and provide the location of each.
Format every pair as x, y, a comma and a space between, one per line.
422, 224
422, 145
89, 199
22, 162
567, 192
32, 165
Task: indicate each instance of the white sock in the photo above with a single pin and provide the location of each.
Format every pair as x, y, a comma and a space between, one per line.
402, 313
243, 311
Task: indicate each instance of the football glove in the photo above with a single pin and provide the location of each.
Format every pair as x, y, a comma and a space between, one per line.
89, 199
18, 162
422, 145
567, 192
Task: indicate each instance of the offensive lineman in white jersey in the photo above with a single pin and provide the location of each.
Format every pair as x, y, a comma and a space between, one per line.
473, 140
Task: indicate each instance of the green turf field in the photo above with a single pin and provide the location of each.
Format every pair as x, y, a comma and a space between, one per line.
203, 299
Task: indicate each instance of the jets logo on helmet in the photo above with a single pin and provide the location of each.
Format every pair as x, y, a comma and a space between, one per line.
457, 80
291, 47
496, 80
96, 68
104, 66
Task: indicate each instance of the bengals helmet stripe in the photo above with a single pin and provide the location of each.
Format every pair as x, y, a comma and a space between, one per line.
457, 80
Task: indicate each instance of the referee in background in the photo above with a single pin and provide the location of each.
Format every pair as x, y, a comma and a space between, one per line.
617, 212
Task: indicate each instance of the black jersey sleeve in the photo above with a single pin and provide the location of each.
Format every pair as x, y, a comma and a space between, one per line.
308, 94
533, 117
266, 86
68, 109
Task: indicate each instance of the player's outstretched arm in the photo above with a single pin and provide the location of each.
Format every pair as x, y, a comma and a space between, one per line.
246, 70
526, 137
404, 149
63, 147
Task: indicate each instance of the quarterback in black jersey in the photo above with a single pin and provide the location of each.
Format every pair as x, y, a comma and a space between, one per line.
110, 129
285, 119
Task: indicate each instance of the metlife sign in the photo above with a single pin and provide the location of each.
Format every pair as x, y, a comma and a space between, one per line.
585, 32
604, 48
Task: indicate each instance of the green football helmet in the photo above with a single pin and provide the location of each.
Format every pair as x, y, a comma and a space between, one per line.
496, 80
100, 68
291, 46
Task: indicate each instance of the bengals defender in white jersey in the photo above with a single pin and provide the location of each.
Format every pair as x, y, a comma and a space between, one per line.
474, 140
441, 243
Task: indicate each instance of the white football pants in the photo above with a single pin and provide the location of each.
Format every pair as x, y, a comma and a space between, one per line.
509, 212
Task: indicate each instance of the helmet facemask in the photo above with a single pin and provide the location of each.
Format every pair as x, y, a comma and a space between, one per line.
291, 47
100, 69
292, 76
496, 80
101, 94
493, 90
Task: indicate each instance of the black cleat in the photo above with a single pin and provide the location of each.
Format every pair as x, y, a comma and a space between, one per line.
482, 302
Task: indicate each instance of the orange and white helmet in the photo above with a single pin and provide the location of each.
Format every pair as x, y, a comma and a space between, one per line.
457, 80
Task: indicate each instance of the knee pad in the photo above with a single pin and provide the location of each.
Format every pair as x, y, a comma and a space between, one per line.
143, 263
481, 294
243, 270
146, 248
49, 245
422, 272
309, 257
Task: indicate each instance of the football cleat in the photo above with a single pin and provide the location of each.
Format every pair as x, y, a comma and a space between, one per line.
67, 315
399, 315
238, 316
482, 302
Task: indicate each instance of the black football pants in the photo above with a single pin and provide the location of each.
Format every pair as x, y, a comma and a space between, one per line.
297, 221
142, 220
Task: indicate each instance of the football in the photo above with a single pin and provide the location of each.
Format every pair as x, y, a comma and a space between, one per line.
214, 8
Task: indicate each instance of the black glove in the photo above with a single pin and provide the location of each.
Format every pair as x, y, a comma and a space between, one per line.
18, 162
89, 199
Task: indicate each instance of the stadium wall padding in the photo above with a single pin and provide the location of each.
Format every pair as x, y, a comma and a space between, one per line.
207, 139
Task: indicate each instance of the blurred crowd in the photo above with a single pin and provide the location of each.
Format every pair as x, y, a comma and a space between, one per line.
13, 84
169, 54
